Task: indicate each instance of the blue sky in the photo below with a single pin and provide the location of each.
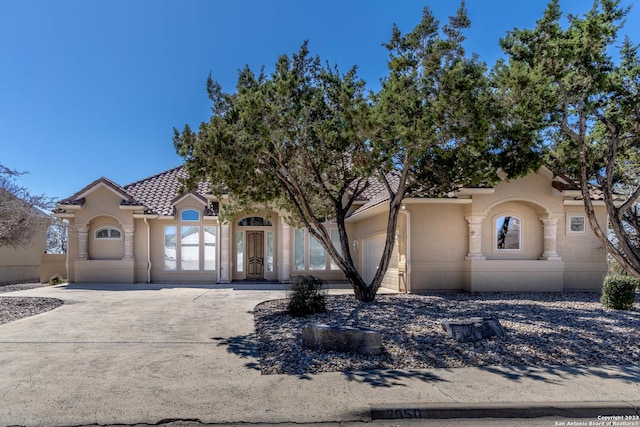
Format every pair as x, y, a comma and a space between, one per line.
94, 88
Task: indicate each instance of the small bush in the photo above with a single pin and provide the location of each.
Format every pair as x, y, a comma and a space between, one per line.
619, 292
307, 296
56, 279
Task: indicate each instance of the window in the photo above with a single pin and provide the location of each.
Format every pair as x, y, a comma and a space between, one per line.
190, 215
170, 245
303, 244
190, 247
254, 221
209, 248
240, 251
335, 239
270, 266
508, 233
108, 233
576, 224
298, 249
317, 256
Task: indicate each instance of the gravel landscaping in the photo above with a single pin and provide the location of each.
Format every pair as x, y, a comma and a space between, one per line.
14, 308
567, 329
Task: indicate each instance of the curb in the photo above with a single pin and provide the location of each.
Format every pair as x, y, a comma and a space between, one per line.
606, 412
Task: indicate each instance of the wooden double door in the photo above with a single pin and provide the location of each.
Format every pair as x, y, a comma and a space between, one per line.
255, 255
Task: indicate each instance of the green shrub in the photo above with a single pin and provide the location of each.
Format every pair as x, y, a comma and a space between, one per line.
307, 296
619, 292
56, 279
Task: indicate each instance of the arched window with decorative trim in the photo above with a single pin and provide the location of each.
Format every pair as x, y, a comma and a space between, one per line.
108, 233
255, 221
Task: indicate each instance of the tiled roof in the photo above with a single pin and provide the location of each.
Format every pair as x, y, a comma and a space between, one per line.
158, 192
564, 183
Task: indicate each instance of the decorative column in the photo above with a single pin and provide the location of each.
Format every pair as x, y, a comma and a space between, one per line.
83, 242
475, 237
128, 240
285, 271
225, 253
550, 226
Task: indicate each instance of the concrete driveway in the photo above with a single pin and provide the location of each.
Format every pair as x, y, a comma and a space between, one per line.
128, 354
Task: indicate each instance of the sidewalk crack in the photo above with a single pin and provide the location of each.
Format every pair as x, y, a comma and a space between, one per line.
445, 393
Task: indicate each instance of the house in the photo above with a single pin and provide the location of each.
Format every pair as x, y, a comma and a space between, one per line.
527, 234
22, 263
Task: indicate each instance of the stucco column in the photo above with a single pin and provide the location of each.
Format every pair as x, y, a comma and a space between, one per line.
128, 240
285, 271
225, 253
475, 237
83, 242
550, 226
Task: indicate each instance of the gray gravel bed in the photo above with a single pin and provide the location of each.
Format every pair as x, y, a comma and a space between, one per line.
21, 287
542, 329
14, 308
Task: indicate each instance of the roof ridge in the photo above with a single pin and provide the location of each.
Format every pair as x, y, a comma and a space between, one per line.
154, 176
104, 180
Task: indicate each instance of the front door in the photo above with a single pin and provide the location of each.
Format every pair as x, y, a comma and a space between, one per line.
255, 255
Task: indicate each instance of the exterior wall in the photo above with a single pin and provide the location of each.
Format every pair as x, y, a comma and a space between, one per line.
104, 271
286, 251
584, 256
372, 232
438, 246
21, 264
104, 260
513, 276
158, 271
441, 233
531, 232
52, 264
578, 263
105, 248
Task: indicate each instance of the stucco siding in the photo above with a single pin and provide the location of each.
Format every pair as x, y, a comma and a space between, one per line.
22, 263
439, 243
531, 232
514, 276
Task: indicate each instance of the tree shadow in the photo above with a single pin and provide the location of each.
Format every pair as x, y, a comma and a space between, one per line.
243, 346
391, 377
547, 373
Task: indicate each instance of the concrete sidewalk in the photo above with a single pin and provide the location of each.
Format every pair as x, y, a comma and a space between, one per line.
127, 354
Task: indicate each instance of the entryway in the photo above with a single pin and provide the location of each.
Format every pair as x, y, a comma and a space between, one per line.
255, 255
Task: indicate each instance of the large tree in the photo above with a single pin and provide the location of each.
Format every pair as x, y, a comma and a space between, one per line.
588, 106
21, 213
307, 140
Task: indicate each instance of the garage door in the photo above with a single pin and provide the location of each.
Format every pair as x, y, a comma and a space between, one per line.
372, 249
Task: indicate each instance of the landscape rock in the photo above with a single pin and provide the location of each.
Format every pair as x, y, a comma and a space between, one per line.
473, 328
343, 339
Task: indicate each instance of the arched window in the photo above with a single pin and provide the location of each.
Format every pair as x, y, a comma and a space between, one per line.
254, 221
108, 233
508, 233
190, 215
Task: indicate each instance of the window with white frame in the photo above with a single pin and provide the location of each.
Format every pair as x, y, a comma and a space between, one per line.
190, 246
335, 239
108, 233
508, 233
308, 252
